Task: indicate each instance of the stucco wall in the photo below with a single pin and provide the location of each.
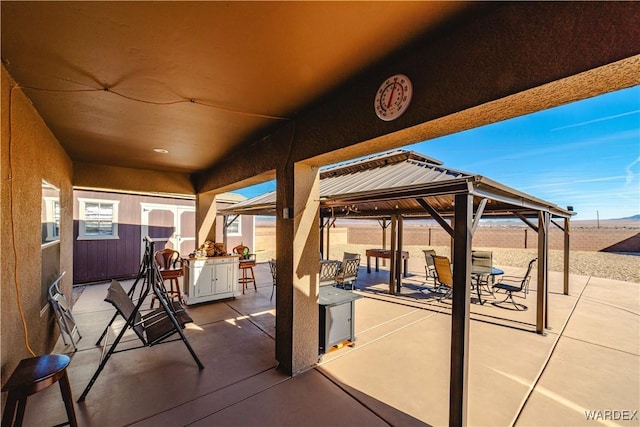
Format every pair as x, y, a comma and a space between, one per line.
622, 239
30, 153
582, 239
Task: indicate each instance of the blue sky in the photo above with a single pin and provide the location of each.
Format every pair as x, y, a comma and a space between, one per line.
585, 154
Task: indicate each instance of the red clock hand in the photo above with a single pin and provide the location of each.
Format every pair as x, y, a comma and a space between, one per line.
393, 89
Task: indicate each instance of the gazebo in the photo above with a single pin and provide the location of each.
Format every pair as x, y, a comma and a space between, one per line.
403, 184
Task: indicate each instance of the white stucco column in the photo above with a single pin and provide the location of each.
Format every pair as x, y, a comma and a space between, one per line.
206, 212
297, 246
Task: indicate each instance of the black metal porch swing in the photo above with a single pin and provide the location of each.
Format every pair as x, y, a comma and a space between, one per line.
153, 327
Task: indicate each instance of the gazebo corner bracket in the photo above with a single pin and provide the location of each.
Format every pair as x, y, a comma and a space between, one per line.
227, 223
557, 225
479, 212
435, 215
526, 221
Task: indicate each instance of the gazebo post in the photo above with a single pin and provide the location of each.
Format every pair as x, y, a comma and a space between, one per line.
327, 254
452, 239
543, 253
460, 317
392, 255
322, 225
566, 232
384, 239
225, 230
399, 260
566, 255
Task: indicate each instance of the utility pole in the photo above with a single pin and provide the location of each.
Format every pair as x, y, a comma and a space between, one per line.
598, 219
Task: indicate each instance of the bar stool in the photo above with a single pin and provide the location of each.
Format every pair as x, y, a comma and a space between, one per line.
31, 376
170, 265
247, 262
247, 274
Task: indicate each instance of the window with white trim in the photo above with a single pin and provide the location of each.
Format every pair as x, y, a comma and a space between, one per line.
235, 229
98, 219
51, 219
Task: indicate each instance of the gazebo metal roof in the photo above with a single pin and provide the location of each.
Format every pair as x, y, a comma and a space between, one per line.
407, 183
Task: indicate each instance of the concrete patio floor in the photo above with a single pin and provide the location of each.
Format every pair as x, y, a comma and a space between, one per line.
397, 373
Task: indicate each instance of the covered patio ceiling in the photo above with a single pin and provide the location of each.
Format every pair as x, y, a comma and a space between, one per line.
212, 84
406, 183
114, 80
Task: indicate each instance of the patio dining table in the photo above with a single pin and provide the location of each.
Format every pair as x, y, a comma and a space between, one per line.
482, 272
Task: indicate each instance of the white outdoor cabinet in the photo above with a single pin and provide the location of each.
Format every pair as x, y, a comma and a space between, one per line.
211, 279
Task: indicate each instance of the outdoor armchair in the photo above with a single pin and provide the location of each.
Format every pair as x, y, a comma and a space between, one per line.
444, 276
429, 268
328, 272
481, 267
517, 284
348, 273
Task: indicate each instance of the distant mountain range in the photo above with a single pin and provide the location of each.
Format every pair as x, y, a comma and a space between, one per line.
633, 217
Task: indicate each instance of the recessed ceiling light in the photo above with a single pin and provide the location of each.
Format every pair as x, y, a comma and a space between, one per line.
161, 150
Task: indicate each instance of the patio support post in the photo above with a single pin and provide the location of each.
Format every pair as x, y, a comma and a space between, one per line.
392, 255
225, 226
326, 223
543, 253
225, 235
458, 385
566, 255
322, 226
327, 251
206, 211
566, 233
547, 222
399, 260
384, 239
297, 242
452, 239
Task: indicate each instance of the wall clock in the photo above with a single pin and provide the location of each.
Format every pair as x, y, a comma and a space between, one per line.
393, 97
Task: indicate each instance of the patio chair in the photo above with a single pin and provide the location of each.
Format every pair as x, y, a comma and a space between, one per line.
481, 267
272, 267
62, 311
348, 273
429, 268
328, 272
444, 276
517, 284
350, 255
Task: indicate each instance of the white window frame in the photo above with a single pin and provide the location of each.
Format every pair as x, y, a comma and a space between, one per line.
238, 232
50, 216
82, 217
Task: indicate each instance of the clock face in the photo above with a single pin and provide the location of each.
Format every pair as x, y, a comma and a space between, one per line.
393, 97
